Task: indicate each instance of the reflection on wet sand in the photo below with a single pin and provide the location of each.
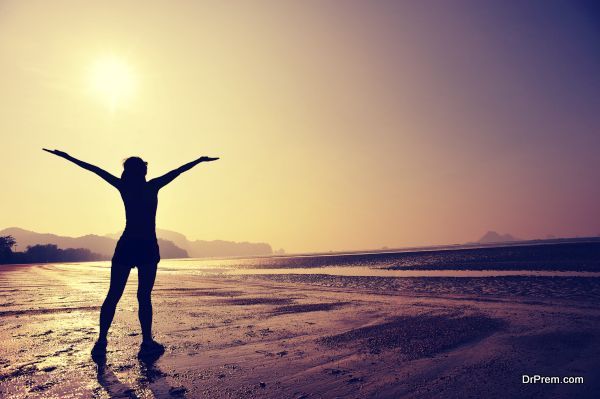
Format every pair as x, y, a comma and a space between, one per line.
154, 379
151, 378
114, 387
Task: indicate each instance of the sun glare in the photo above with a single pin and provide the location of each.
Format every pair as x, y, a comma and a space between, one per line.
113, 81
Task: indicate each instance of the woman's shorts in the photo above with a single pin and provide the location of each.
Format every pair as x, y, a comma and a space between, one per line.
132, 252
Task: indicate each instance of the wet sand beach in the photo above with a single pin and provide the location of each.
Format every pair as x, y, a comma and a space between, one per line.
300, 335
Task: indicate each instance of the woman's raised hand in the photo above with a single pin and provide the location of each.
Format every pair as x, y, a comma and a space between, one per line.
56, 152
207, 159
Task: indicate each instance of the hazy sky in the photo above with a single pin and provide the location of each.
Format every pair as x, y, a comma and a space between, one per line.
340, 124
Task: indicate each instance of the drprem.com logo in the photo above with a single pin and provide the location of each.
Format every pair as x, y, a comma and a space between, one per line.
540, 379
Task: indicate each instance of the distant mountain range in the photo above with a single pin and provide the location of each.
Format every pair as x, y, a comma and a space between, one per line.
172, 244
201, 249
493, 237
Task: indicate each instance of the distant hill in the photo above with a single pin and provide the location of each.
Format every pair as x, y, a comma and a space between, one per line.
216, 248
494, 237
204, 249
101, 245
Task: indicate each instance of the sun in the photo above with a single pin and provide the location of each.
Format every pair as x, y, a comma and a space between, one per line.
113, 81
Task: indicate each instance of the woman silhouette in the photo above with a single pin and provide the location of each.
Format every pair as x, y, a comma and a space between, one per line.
137, 246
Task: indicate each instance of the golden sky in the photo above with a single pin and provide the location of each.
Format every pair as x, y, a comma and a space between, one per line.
340, 125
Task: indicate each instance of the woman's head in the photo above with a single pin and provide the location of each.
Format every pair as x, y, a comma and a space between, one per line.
134, 168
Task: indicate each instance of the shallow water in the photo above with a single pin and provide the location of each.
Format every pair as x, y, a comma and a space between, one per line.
581, 256
233, 267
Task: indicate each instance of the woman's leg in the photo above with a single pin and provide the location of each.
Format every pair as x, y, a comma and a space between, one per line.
118, 278
146, 277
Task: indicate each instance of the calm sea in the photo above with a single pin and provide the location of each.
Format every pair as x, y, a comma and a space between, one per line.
569, 259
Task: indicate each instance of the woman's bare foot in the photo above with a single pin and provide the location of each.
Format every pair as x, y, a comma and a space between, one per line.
99, 349
151, 348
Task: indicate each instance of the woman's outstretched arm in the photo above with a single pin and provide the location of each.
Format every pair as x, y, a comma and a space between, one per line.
112, 180
169, 177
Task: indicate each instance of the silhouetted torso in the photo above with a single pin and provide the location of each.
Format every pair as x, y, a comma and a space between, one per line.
138, 244
141, 201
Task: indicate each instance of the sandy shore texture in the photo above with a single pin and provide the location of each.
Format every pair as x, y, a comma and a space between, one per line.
300, 336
